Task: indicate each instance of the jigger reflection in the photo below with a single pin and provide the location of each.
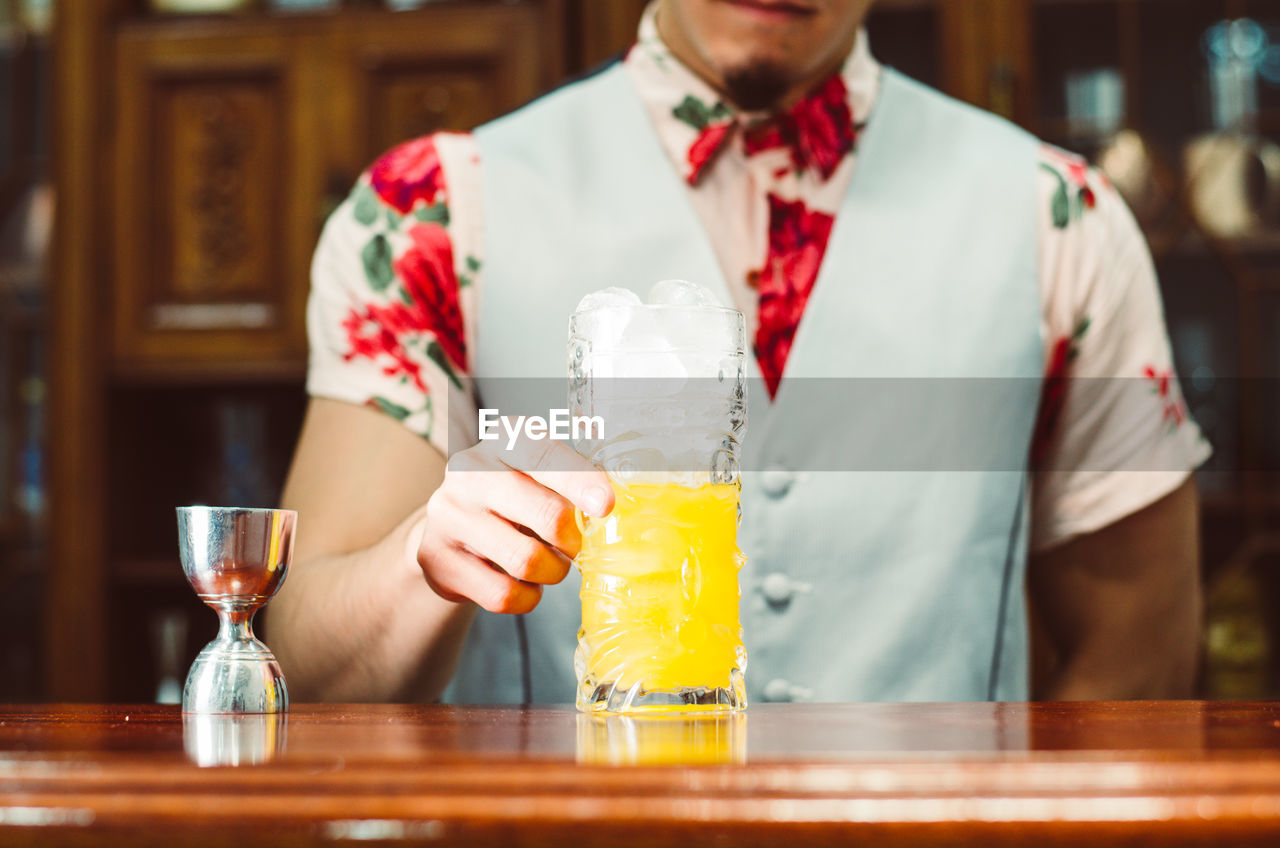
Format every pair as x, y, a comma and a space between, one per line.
700, 739
235, 560
233, 740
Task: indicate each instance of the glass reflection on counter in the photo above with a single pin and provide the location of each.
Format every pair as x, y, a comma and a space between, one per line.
233, 740
622, 740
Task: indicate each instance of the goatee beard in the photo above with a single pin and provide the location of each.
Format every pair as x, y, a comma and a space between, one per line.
756, 87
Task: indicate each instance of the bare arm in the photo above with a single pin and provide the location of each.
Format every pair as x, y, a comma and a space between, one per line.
1120, 608
355, 619
395, 550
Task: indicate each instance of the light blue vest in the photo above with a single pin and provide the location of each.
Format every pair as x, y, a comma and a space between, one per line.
860, 585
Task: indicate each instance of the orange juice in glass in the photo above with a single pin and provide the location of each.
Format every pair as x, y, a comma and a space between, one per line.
660, 625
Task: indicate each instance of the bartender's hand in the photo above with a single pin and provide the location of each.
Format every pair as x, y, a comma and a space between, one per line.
380, 509
501, 525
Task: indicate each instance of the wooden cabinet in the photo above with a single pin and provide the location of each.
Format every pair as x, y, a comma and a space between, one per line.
25, 208
216, 192
235, 137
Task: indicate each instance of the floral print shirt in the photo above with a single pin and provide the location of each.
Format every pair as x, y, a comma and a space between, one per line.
391, 315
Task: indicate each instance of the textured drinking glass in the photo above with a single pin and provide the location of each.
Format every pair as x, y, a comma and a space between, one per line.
660, 623
235, 560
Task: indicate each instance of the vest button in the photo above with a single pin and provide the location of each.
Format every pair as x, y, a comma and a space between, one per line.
777, 691
776, 482
777, 589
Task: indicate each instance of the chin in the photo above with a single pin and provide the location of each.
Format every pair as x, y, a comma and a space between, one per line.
744, 54
789, 37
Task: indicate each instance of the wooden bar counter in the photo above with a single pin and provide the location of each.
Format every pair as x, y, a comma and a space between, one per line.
1134, 773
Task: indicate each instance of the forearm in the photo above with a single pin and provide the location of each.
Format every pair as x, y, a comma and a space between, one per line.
1104, 670
1121, 608
365, 626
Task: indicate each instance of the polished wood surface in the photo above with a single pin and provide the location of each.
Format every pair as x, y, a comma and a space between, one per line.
1132, 773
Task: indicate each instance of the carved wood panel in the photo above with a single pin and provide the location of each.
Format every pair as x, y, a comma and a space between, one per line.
234, 137
213, 226
218, 210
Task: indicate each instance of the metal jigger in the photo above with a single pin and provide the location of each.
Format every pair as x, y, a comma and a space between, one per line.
235, 560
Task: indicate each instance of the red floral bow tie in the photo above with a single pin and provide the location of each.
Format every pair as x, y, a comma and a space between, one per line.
818, 131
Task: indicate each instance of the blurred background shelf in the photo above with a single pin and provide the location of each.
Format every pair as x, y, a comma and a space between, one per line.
26, 208
179, 367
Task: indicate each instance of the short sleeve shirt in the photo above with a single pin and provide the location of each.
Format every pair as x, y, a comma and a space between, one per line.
392, 310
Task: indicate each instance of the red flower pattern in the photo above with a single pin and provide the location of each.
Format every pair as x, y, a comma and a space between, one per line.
797, 241
1077, 167
431, 285
1078, 174
369, 336
818, 131
1053, 397
1053, 392
408, 174
1174, 410
1073, 175
705, 148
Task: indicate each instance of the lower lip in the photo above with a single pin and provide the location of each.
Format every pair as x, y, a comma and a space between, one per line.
769, 13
